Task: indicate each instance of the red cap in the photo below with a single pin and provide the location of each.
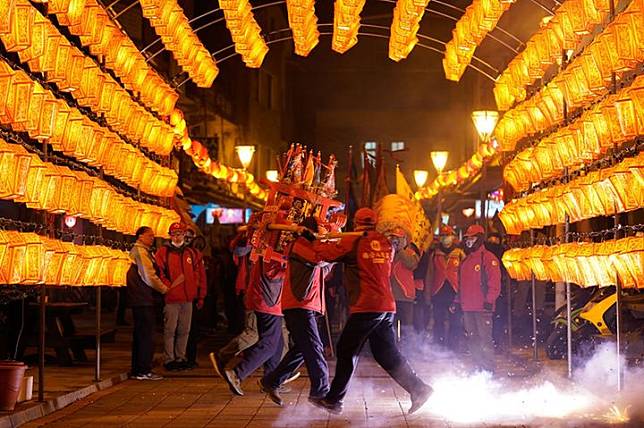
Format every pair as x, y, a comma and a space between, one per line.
446, 230
177, 227
475, 229
366, 216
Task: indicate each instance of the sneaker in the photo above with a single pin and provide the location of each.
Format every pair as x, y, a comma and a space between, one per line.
323, 403
147, 376
217, 364
234, 383
172, 366
182, 365
273, 394
420, 397
292, 378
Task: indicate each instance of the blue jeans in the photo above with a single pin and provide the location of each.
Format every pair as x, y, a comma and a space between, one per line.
307, 348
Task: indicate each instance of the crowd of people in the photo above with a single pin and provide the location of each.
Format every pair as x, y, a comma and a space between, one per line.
393, 290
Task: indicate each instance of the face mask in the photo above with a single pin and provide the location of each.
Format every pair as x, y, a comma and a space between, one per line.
176, 242
470, 242
447, 241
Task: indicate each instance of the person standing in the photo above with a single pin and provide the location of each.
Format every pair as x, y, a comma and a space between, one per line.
479, 287
143, 283
302, 305
182, 270
198, 244
443, 288
406, 259
367, 258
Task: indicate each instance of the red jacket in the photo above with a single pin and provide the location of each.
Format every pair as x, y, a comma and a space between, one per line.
367, 260
304, 280
173, 262
444, 268
480, 280
264, 291
241, 257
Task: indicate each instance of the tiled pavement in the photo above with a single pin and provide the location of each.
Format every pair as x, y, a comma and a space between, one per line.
198, 399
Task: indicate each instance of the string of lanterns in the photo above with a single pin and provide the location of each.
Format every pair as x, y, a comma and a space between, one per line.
88, 20
31, 259
40, 44
617, 49
479, 19
608, 124
587, 264
170, 23
303, 23
346, 23
57, 189
202, 160
573, 20
404, 27
27, 106
603, 192
485, 152
245, 31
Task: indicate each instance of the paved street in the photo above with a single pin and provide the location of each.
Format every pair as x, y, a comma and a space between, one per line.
525, 394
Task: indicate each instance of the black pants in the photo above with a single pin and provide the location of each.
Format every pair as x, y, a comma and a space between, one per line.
378, 328
268, 349
307, 348
142, 339
421, 313
441, 302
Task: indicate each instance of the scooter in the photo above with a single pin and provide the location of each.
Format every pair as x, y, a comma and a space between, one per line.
594, 320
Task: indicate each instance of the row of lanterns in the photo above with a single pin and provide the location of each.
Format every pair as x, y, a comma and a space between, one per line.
485, 152
618, 49
479, 19
304, 25
26, 106
346, 24
170, 23
612, 121
57, 189
563, 32
31, 259
104, 38
586, 264
404, 27
599, 193
245, 31
40, 45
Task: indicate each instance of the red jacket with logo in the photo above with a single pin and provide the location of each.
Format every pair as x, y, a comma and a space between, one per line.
444, 268
174, 261
367, 262
480, 280
304, 279
264, 291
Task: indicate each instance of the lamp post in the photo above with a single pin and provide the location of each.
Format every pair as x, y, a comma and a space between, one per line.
439, 160
245, 154
485, 121
272, 175
420, 177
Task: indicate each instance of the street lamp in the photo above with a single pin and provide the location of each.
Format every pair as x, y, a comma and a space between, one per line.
245, 154
420, 177
485, 122
272, 175
439, 159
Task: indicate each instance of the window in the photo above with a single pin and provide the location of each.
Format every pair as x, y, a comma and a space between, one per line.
397, 146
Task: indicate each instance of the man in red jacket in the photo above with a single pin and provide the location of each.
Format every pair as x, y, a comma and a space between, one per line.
443, 287
367, 259
263, 297
302, 304
182, 270
480, 285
